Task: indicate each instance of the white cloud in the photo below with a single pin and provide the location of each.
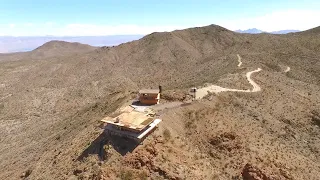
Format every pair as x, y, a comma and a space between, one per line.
28, 24
281, 20
12, 25
49, 24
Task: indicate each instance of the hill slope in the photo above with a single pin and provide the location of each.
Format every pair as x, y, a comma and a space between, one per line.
49, 49
27, 43
55, 47
51, 101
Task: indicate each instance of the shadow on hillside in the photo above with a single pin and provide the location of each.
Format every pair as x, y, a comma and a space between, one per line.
123, 145
101, 144
138, 103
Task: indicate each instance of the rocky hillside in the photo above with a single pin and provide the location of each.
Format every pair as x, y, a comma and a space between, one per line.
59, 48
51, 101
49, 50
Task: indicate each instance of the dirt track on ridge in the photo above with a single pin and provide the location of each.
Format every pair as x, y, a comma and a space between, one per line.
217, 89
239, 60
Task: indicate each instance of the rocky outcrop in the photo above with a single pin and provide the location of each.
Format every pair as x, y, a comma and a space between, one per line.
250, 172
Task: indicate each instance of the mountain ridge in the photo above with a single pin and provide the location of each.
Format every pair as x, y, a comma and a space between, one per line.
258, 31
24, 43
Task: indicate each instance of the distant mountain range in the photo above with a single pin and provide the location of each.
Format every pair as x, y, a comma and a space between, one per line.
9, 44
20, 44
257, 31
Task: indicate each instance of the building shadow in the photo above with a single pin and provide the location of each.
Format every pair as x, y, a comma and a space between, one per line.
138, 103
96, 147
100, 146
123, 145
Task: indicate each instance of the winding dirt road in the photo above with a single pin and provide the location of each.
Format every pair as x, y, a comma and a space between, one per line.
239, 60
217, 89
288, 69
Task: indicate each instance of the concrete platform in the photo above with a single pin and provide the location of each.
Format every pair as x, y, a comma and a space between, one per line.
133, 120
138, 136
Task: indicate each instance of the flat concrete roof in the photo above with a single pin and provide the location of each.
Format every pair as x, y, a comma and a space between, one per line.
130, 119
149, 91
135, 135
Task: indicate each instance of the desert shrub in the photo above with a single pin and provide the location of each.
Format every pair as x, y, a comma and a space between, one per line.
190, 114
273, 66
178, 95
126, 175
166, 134
225, 142
26, 174
315, 117
189, 124
190, 117
143, 175
236, 103
224, 99
209, 95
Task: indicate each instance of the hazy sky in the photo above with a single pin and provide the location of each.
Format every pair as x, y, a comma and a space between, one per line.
110, 17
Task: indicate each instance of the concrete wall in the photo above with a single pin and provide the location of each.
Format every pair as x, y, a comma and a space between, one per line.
149, 99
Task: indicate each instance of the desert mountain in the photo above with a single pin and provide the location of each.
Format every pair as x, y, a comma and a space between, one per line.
258, 31
60, 48
250, 31
29, 43
51, 101
314, 31
48, 50
285, 31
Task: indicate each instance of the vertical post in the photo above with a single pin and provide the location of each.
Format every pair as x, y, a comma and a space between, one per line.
194, 90
159, 95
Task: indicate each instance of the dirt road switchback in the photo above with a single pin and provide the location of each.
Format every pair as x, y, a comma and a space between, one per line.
217, 89
239, 60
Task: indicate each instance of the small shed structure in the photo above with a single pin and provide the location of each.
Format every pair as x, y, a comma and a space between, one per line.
149, 96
